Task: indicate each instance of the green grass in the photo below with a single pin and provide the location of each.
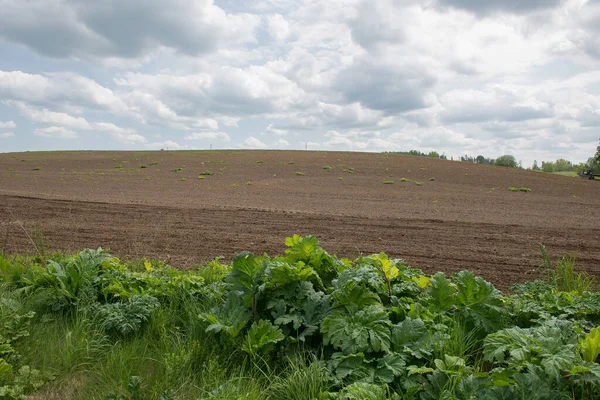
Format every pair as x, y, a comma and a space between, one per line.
206, 173
388, 182
404, 180
419, 183
519, 189
326, 167
299, 173
177, 170
566, 173
143, 166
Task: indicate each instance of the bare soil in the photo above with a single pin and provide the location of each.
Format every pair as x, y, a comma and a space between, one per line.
464, 219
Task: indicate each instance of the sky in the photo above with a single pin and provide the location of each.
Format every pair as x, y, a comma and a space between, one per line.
462, 77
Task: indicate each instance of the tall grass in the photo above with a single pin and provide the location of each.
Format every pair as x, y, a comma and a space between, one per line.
563, 276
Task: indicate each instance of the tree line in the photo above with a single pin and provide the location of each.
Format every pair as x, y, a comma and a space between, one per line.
561, 165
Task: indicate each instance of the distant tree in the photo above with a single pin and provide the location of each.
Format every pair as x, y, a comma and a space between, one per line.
547, 166
535, 167
507, 161
562, 165
434, 154
596, 160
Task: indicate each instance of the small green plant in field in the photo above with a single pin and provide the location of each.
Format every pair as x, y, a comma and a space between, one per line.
349, 170
340, 178
419, 183
154, 163
388, 182
299, 173
404, 180
326, 167
182, 179
431, 179
249, 183
177, 170
206, 173
516, 189
36, 169
291, 162
235, 185
143, 166
260, 162
11, 169
118, 166
201, 176
148, 178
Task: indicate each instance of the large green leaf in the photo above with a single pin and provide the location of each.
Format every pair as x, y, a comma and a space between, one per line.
366, 330
589, 346
261, 338
479, 302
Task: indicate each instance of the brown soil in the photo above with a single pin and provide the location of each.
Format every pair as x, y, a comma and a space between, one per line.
465, 219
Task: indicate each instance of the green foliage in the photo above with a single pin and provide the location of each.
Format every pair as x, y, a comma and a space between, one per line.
299, 173
177, 170
589, 346
125, 318
366, 330
206, 173
302, 325
506, 161
563, 275
388, 182
517, 189
326, 167
261, 338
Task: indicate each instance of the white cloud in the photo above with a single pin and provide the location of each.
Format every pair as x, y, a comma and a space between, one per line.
103, 30
6, 135
209, 136
479, 77
254, 143
278, 27
7, 124
282, 143
166, 145
271, 130
55, 132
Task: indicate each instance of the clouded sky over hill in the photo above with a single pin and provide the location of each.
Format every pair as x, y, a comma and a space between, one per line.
462, 77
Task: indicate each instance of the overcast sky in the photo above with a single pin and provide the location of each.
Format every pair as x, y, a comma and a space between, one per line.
469, 77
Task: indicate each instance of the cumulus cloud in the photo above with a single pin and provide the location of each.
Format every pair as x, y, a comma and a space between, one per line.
254, 143
166, 145
509, 6
209, 136
6, 135
94, 30
57, 132
450, 75
7, 124
282, 143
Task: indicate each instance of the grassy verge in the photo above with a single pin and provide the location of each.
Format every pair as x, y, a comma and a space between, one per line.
305, 325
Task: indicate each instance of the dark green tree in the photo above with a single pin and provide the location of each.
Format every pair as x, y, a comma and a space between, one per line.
507, 161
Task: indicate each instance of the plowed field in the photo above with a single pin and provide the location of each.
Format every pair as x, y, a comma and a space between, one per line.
466, 218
